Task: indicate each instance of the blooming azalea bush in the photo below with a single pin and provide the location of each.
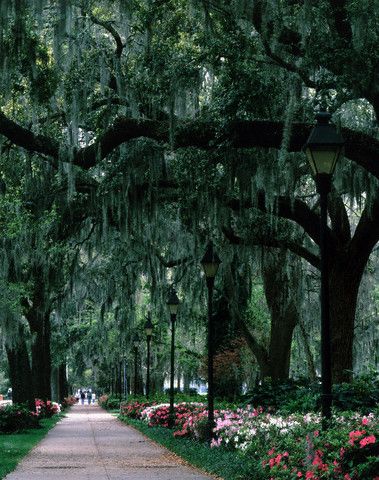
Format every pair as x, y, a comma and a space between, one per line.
348, 450
15, 418
46, 409
134, 408
251, 427
69, 401
192, 423
188, 418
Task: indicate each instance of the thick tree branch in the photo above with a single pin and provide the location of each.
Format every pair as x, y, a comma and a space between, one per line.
258, 350
366, 234
361, 148
123, 130
339, 218
291, 209
290, 67
110, 28
271, 241
25, 138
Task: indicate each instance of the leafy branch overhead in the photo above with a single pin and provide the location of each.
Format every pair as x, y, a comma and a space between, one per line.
360, 147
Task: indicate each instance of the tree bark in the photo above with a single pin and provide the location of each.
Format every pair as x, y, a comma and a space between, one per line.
308, 354
62, 382
20, 374
344, 284
41, 356
281, 274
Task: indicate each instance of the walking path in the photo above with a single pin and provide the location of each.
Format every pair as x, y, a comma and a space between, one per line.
90, 443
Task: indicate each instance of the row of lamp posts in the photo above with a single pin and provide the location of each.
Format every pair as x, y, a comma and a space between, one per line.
210, 263
323, 148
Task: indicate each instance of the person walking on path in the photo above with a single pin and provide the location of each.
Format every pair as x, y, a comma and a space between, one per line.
82, 396
89, 443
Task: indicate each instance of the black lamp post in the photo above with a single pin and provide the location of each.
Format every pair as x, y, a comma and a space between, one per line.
149, 332
323, 148
210, 263
135, 351
173, 303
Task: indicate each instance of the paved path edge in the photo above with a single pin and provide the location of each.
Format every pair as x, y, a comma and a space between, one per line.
181, 459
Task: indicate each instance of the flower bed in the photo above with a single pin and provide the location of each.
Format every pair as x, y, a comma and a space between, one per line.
348, 450
288, 447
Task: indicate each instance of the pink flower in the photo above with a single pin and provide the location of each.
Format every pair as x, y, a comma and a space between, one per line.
299, 474
367, 440
355, 435
278, 458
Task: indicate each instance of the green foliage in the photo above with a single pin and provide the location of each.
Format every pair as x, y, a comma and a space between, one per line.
16, 418
291, 396
362, 394
301, 396
110, 402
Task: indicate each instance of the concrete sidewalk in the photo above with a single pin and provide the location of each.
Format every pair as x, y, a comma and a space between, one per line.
89, 443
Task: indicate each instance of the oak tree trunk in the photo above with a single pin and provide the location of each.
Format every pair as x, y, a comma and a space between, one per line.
20, 373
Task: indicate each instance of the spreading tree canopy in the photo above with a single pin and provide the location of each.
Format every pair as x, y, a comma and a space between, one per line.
133, 132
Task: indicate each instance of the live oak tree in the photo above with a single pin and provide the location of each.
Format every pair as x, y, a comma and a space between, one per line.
172, 122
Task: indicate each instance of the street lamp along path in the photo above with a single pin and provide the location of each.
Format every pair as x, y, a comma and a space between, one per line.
323, 148
173, 304
210, 263
149, 333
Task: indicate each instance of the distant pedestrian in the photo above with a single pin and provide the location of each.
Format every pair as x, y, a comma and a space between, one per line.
93, 397
82, 396
89, 397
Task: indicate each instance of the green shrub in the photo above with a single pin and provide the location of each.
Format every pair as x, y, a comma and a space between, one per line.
362, 394
15, 418
290, 396
301, 397
110, 402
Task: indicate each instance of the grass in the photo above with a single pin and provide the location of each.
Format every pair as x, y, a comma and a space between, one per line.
15, 446
217, 461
